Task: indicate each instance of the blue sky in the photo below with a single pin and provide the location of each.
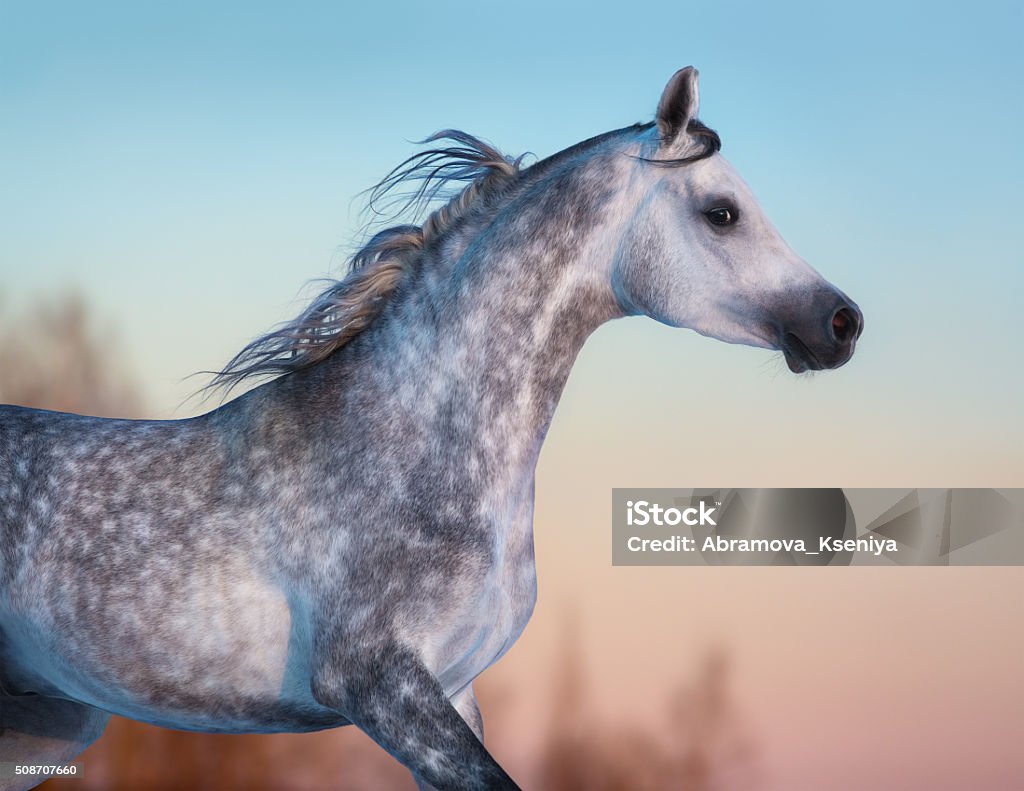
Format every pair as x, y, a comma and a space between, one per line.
190, 168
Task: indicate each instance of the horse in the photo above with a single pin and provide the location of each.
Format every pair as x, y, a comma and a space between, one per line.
351, 541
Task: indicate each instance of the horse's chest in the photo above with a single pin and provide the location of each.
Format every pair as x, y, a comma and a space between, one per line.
490, 615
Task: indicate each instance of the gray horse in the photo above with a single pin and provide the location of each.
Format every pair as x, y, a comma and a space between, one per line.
351, 542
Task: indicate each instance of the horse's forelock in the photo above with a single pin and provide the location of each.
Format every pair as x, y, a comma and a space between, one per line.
707, 140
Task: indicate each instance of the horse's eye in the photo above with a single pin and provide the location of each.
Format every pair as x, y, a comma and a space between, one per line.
721, 215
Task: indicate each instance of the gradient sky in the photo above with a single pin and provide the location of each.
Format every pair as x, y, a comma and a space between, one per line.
189, 168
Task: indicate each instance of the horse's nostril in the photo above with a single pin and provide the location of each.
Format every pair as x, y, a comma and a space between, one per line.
845, 325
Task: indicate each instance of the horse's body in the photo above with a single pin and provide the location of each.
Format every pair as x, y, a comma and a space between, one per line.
352, 542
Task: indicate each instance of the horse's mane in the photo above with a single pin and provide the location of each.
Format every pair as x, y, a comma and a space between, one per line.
348, 306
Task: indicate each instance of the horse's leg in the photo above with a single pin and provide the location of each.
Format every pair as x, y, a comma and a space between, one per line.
39, 730
464, 703
392, 697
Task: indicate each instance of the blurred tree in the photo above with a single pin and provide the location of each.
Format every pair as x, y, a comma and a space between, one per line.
701, 746
53, 356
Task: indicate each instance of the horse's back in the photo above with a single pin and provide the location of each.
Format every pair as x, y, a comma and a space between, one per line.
51, 462
21, 431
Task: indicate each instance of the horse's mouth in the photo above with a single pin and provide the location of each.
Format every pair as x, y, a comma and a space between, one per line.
798, 357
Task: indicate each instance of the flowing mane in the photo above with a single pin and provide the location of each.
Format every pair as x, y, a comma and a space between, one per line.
459, 175
347, 306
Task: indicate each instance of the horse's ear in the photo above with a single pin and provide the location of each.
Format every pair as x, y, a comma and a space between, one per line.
678, 105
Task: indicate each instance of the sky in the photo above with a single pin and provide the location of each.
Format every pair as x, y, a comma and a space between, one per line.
190, 168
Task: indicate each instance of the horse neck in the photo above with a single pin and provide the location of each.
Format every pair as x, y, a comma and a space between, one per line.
478, 346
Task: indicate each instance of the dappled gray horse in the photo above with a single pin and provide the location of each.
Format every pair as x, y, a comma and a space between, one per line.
352, 542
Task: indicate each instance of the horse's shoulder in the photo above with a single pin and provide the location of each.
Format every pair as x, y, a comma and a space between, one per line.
19, 424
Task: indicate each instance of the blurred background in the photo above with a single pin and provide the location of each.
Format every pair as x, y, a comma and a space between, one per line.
172, 175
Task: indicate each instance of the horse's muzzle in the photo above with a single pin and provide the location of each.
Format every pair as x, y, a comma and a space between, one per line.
826, 341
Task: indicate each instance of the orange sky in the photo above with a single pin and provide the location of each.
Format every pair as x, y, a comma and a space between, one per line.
849, 678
